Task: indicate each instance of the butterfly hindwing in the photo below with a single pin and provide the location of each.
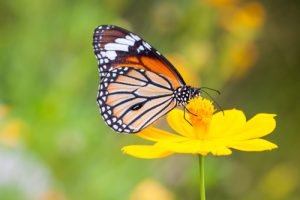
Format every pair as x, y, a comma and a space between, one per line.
131, 98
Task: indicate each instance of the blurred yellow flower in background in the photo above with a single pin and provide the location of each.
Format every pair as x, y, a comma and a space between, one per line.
239, 16
3, 111
151, 190
186, 72
10, 130
199, 55
10, 133
247, 17
210, 132
53, 195
240, 57
241, 22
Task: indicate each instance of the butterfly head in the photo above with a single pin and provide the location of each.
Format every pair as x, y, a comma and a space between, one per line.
195, 92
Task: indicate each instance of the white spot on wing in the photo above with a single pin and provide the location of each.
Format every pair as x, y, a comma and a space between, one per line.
115, 47
137, 38
103, 53
141, 48
129, 38
146, 45
111, 55
115, 127
124, 41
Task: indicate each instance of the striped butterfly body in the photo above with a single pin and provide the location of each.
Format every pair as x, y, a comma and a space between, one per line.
138, 85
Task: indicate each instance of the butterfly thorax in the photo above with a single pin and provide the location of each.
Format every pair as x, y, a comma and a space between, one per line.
184, 94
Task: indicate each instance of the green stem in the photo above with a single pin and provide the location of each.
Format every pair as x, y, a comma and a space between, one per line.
202, 178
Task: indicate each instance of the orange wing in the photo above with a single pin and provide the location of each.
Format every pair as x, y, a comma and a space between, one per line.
116, 47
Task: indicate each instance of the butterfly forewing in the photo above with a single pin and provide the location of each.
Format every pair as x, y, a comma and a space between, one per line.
116, 47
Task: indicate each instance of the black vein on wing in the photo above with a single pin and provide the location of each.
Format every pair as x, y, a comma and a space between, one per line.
151, 108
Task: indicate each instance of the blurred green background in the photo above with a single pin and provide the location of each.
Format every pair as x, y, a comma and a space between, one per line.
55, 146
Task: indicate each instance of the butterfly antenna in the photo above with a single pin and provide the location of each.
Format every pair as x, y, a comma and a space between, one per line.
219, 107
211, 89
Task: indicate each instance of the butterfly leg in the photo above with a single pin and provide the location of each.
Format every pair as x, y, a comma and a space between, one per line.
189, 111
184, 111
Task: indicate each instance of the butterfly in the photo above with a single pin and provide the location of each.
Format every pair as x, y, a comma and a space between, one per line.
138, 85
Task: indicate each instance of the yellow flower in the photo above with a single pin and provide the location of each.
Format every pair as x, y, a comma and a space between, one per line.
247, 17
150, 189
10, 130
240, 57
11, 133
186, 73
3, 110
210, 132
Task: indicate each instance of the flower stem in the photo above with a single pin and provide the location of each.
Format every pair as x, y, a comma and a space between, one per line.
202, 180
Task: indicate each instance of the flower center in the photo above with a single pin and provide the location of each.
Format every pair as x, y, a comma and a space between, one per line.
201, 112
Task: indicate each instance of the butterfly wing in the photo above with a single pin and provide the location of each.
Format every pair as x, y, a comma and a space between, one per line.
115, 47
131, 99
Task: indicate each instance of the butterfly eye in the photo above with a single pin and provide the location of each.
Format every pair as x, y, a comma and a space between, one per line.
137, 106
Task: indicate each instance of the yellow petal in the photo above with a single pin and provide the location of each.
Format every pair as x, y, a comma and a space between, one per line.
179, 124
196, 147
221, 151
155, 134
253, 145
191, 146
228, 123
146, 151
260, 125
